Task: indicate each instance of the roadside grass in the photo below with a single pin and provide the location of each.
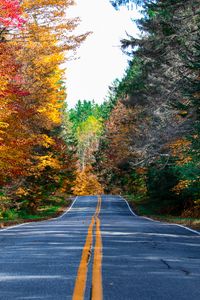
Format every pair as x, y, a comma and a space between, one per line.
143, 207
54, 207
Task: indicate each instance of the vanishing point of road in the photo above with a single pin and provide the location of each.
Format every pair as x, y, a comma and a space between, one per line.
99, 250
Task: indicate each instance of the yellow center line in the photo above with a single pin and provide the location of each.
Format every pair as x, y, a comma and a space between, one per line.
97, 290
80, 284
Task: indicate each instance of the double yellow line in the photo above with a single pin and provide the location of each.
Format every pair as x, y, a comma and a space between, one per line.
80, 284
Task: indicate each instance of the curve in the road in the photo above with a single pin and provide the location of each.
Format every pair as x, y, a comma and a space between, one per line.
172, 224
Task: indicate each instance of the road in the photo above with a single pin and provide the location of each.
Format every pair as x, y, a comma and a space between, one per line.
128, 257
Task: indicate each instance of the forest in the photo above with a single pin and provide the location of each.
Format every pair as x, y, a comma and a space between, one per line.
142, 142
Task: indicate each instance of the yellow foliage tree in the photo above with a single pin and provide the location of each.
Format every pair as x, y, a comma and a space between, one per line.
86, 183
33, 153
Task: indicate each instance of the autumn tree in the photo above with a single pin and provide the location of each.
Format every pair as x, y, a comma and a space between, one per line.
87, 127
10, 15
12, 154
46, 39
35, 159
86, 183
161, 90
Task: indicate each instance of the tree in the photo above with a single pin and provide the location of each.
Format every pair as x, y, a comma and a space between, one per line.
10, 15
118, 3
87, 127
88, 134
86, 183
160, 55
160, 90
12, 153
34, 157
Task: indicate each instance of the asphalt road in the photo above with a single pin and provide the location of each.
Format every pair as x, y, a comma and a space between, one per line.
142, 259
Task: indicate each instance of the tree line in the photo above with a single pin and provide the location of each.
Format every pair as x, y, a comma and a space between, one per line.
143, 140
35, 159
150, 146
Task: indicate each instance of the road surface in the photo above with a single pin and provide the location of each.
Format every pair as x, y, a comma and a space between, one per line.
99, 250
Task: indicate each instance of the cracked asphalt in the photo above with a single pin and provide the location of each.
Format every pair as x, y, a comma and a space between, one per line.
142, 259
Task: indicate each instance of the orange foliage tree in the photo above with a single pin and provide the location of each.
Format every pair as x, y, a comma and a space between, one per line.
86, 183
34, 157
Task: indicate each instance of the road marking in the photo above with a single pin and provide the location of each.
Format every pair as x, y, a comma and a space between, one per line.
128, 206
80, 284
68, 209
81, 279
97, 290
39, 222
156, 221
187, 228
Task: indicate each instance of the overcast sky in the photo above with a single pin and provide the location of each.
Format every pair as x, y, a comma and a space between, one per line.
100, 59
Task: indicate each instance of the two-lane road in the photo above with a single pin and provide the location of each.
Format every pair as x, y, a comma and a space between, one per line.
137, 258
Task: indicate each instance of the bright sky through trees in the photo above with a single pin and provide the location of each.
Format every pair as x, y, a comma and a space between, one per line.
100, 59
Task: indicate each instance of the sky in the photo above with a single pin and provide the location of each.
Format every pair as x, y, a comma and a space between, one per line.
99, 60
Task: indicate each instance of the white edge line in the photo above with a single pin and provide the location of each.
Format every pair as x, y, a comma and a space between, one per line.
68, 209
171, 224
187, 228
128, 206
15, 226
19, 225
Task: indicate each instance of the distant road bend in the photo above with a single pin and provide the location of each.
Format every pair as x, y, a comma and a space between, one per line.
99, 250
